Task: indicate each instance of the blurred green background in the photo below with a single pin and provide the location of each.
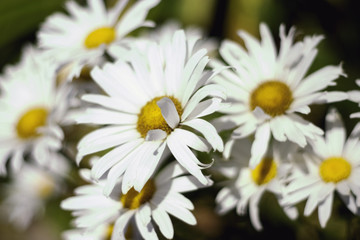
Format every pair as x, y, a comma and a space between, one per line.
337, 20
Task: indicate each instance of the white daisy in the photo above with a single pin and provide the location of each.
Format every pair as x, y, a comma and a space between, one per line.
154, 103
27, 194
267, 89
163, 35
82, 37
32, 107
248, 185
333, 164
160, 197
354, 96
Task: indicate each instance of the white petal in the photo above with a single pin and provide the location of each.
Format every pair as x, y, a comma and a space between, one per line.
335, 133
169, 112
155, 135
260, 144
120, 226
146, 231
163, 220
325, 210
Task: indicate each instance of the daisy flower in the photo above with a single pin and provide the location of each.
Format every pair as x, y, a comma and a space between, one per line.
354, 96
160, 197
268, 89
32, 107
154, 104
27, 194
82, 37
333, 165
246, 185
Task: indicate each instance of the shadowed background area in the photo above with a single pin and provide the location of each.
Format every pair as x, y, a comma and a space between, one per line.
337, 20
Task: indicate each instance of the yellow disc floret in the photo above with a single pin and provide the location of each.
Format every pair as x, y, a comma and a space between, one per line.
150, 117
335, 169
103, 35
133, 199
273, 97
30, 121
264, 172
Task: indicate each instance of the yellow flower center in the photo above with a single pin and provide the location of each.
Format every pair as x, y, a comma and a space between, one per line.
103, 35
335, 169
29, 122
109, 231
46, 189
273, 97
264, 172
150, 117
133, 199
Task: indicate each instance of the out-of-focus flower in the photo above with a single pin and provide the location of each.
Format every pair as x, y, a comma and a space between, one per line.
160, 197
28, 193
163, 35
82, 38
267, 89
246, 185
333, 165
154, 103
31, 109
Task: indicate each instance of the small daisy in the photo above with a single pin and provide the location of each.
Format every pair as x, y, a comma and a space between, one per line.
333, 164
267, 89
246, 185
154, 103
27, 194
32, 107
160, 197
355, 97
82, 37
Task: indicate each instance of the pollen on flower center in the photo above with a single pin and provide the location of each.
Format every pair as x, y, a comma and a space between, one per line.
150, 116
133, 199
103, 35
264, 172
273, 97
335, 169
29, 122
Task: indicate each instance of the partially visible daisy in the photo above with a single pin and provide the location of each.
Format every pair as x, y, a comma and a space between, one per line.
28, 192
154, 103
81, 38
31, 109
160, 197
163, 35
333, 165
354, 96
268, 89
246, 185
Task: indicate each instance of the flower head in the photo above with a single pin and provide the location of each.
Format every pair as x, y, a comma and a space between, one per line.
32, 109
154, 103
267, 89
332, 165
159, 197
82, 37
246, 186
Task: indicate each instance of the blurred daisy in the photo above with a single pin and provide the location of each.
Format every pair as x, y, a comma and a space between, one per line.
248, 185
267, 89
83, 37
32, 107
155, 103
333, 165
163, 35
354, 96
160, 197
26, 195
